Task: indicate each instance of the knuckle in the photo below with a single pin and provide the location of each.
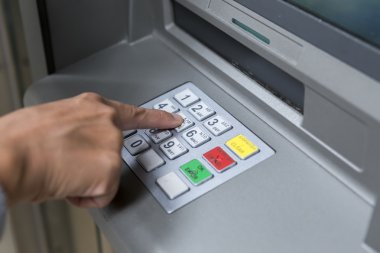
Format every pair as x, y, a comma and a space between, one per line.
90, 96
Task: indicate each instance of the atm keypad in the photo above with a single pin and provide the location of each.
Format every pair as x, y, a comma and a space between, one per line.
209, 148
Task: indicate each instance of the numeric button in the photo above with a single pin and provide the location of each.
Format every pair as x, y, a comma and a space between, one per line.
217, 125
173, 148
136, 144
157, 135
127, 133
186, 98
201, 111
186, 123
196, 137
166, 105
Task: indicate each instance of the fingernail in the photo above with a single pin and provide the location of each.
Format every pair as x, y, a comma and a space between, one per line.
177, 117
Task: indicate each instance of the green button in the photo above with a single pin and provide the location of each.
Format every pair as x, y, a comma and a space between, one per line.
196, 172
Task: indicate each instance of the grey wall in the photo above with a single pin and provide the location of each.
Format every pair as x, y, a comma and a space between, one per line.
79, 28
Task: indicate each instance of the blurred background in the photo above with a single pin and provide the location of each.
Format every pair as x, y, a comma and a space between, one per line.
53, 227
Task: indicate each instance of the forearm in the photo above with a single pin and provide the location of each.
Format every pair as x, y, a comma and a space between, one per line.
10, 171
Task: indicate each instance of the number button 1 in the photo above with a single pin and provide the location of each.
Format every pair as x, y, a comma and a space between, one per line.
172, 148
217, 125
201, 111
166, 105
136, 144
196, 137
186, 98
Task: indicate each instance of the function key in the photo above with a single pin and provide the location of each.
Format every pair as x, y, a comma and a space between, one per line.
219, 159
172, 185
157, 135
173, 148
242, 147
201, 111
186, 98
127, 133
186, 123
217, 125
196, 137
136, 144
150, 160
166, 105
195, 172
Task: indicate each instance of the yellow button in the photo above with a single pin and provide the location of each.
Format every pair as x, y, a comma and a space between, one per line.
242, 147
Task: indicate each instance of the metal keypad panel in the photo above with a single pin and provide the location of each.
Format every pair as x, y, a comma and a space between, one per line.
209, 148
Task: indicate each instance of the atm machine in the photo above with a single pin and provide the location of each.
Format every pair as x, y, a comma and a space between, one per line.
279, 151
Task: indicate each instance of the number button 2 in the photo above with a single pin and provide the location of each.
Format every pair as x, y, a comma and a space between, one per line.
136, 144
201, 111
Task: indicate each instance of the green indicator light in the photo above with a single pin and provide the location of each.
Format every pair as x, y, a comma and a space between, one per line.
196, 172
251, 31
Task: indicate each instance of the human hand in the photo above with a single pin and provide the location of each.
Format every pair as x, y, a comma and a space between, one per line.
70, 148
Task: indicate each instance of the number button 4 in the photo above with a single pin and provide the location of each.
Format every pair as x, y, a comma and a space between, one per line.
217, 125
136, 144
196, 137
166, 105
186, 98
173, 148
201, 111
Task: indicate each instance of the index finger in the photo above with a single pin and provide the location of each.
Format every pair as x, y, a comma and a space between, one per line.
132, 117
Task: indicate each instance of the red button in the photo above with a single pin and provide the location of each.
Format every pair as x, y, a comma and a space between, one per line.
219, 159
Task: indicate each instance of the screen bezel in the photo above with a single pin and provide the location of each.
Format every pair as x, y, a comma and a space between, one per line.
336, 42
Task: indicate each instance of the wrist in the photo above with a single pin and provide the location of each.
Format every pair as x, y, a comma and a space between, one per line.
10, 172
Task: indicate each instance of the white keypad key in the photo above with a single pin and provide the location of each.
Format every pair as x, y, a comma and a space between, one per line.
173, 148
172, 185
158, 136
150, 160
187, 123
186, 98
217, 125
201, 111
166, 105
136, 144
128, 133
196, 137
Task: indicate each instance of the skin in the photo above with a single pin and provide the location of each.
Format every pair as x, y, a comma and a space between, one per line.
70, 149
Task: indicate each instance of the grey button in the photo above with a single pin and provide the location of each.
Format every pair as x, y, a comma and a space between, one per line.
150, 160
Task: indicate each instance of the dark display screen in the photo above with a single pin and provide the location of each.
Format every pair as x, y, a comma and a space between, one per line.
358, 17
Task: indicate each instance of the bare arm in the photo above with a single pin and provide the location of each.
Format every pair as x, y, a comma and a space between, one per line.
69, 149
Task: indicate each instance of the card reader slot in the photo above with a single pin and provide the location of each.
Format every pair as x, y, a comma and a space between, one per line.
277, 81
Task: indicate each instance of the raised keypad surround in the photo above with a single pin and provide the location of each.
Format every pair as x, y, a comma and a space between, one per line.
180, 165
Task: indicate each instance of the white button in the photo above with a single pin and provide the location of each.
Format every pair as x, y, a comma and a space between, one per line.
186, 123
157, 135
196, 137
172, 185
150, 160
201, 111
186, 98
128, 133
166, 105
136, 144
173, 148
217, 125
